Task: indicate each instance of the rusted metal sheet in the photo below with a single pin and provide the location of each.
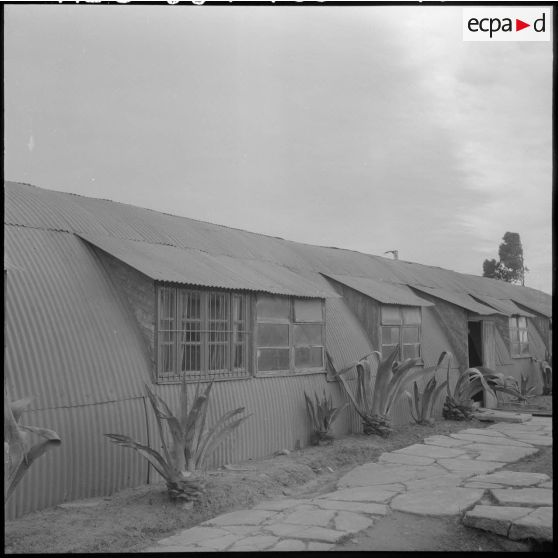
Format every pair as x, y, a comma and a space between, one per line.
506, 307
386, 293
459, 299
346, 342
86, 464
69, 338
193, 267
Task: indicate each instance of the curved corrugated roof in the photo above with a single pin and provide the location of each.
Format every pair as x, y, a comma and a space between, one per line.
30, 206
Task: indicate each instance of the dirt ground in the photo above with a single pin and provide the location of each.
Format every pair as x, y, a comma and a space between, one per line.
133, 519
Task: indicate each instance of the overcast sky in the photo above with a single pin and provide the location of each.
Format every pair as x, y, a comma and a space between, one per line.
371, 128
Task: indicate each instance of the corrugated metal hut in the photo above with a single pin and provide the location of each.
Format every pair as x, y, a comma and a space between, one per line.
103, 297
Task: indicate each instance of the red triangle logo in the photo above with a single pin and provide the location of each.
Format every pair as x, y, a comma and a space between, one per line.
519, 25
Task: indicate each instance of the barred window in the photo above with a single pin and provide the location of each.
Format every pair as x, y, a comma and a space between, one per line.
290, 334
519, 341
401, 325
203, 334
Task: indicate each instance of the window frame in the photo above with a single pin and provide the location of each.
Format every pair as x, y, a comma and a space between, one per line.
514, 332
401, 326
229, 372
292, 346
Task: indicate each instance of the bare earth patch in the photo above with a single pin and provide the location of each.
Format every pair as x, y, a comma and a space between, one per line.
133, 519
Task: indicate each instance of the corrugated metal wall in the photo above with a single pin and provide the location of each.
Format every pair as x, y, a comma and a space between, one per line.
86, 464
279, 413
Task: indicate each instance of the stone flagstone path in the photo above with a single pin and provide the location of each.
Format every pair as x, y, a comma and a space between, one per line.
456, 475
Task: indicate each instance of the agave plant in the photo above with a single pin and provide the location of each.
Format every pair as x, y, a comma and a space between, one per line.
471, 381
322, 415
191, 442
373, 401
19, 450
422, 405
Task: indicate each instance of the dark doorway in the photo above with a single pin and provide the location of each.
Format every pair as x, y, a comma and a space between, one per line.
475, 349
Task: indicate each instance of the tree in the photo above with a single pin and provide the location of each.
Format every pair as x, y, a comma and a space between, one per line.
510, 267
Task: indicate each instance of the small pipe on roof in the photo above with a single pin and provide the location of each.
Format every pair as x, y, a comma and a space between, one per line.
394, 252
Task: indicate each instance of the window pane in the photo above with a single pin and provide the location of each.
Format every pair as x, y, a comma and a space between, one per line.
522, 335
411, 315
308, 310
515, 348
514, 335
308, 334
189, 307
410, 335
167, 358
189, 356
273, 359
217, 357
191, 333
218, 307
167, 307
239, 355
239, 308
411, 351
390, 335
522, 322
513, 322
391, 315
309, 357
273, 335
387, 350
273, 307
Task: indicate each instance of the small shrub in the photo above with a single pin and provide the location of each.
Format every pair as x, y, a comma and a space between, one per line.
190, 441
19, 452
322, 415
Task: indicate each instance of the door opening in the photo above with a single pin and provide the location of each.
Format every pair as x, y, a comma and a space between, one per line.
474, 339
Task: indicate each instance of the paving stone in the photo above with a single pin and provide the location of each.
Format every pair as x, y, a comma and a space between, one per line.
444, 441
537, 525
319, 546
482, 432
373, 474
486, 485
168, 549
447, 501
470, 466
241, 517
292, 545
426, 450
501, 416
258, 542
193, 536
533, 497
441, 481
241, 530
317, 517
304, 532
506, 454
220, 543
546, 484
534, 440
379, 494
351, 522
512, 478
496, 519
361, 507
279, 505
403, 459
493, 440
